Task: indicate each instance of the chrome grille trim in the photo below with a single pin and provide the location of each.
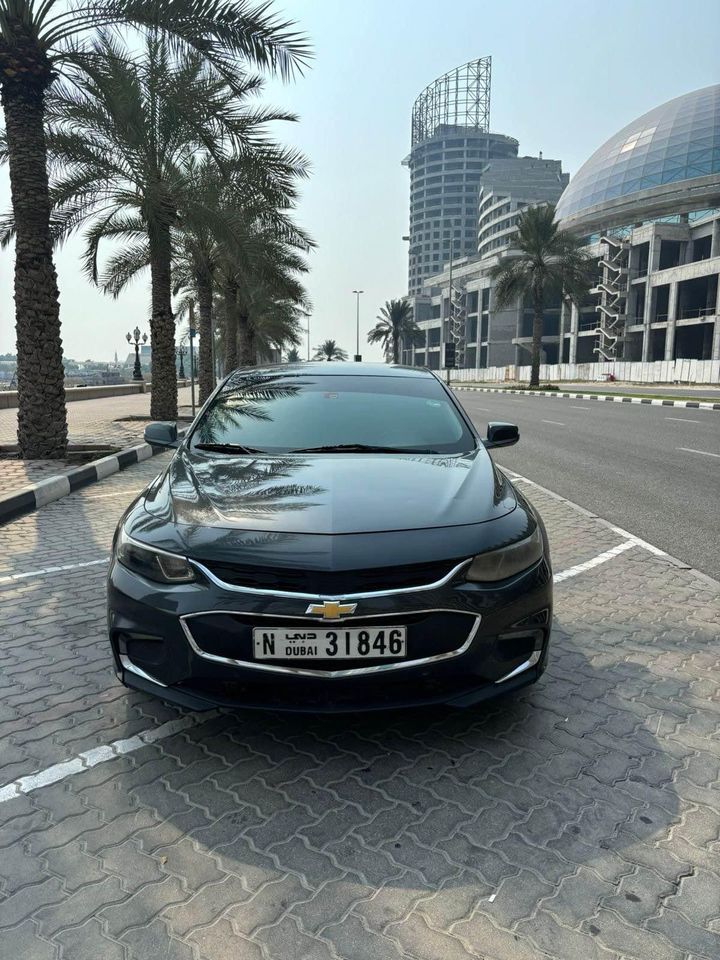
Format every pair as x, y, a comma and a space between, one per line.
367, 595
330, 674
131, 667
530, 662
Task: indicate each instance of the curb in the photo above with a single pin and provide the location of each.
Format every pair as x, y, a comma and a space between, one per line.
613, 397
39, 494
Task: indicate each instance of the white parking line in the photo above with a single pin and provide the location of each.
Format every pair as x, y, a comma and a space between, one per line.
556, 422
703, 453
683, 420
106, 496
12, 577
91, 758
595, 562
656, 551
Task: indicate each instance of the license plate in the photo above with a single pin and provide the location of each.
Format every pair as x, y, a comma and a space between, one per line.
279, 643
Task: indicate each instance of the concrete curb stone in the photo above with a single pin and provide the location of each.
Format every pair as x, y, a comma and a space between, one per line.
617, 398
46, 491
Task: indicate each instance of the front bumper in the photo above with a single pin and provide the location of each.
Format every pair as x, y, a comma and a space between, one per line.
191, 644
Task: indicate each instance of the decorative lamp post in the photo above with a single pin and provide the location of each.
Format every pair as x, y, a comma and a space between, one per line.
181, 351
136, 339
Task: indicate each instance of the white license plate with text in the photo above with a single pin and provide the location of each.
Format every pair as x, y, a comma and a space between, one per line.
361, 643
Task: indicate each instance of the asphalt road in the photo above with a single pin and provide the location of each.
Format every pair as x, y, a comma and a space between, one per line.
653, 470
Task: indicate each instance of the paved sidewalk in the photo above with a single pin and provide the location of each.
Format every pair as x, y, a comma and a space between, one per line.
103, 421
578, 820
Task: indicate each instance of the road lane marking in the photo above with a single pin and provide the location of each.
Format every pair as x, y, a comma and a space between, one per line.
556, 422
683, 419
703, 453
91, 758
595, 562
12, 577
576, 407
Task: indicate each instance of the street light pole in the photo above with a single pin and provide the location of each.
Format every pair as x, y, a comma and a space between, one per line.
450, 293
181, 351
135, 339
192, 331
358, 357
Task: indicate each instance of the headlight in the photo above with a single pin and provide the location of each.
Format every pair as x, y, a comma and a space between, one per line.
151, 563
506, 562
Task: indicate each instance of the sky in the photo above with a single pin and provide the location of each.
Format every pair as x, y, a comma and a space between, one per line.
565, 77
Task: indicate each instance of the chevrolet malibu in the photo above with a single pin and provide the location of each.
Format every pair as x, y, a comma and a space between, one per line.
330, 537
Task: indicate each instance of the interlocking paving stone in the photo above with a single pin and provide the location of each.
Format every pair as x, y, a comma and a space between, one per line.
578, 819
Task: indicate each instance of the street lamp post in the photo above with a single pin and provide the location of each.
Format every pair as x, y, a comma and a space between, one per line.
135, 339
358, 357
181, 351
191, 332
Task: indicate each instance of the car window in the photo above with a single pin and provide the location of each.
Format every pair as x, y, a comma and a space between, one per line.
279, 414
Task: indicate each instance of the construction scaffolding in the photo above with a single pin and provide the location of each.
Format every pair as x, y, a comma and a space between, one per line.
460, 98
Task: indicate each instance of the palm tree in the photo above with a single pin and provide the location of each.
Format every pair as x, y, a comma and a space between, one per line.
127, 138
551, 262
40, 41
259, 271
220, 217
395, 325
293, 356
329, 350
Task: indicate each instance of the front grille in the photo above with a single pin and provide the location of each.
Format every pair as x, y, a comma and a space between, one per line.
332, 582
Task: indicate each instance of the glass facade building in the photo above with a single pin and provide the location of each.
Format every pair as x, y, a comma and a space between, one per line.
665, 162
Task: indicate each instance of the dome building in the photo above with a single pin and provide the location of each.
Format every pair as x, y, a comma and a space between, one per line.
664, 163
648, 200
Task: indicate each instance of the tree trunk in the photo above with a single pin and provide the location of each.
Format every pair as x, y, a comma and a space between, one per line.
42, 421
247, 341
230, 331
163, 398
395, 347
538, 311
206, 379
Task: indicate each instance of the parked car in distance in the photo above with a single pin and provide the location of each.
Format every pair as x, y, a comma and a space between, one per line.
330, 537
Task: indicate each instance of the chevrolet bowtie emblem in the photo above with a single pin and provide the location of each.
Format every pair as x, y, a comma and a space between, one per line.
331, 609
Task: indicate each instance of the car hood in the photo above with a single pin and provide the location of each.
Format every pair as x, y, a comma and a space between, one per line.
330, 493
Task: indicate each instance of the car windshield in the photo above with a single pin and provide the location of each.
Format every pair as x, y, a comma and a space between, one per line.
333, 414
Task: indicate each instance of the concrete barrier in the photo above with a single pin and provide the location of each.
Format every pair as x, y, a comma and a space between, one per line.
9, 398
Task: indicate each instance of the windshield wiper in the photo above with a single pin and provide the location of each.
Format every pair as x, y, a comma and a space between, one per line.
358, 448
226, 448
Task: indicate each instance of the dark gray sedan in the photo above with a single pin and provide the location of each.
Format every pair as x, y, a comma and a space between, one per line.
330, 537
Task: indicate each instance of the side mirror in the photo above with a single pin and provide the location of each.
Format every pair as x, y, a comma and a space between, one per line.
162, 434
501, 435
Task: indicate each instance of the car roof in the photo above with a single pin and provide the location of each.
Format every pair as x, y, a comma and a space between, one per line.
332, 368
